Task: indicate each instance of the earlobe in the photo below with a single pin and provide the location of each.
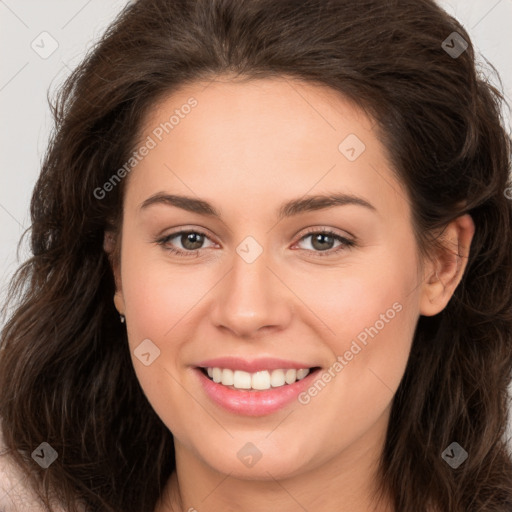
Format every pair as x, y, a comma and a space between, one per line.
445, 271
435, 295
119, 302
109, 242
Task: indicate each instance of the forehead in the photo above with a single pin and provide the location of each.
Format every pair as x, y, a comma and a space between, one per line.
253, 110
262, 138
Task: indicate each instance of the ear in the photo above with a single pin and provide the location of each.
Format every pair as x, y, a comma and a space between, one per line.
445, 269
111, 247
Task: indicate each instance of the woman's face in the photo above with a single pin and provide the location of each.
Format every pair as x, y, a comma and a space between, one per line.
262, 289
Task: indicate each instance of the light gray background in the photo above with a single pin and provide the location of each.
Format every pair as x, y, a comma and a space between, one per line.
75, 24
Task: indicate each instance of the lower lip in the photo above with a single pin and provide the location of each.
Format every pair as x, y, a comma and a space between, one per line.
254, 403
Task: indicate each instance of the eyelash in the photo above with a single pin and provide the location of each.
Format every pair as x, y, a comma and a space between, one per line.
345, 243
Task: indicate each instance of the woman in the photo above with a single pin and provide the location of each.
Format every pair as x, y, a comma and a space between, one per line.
271, 268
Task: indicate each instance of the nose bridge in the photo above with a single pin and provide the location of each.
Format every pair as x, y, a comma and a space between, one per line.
251, 296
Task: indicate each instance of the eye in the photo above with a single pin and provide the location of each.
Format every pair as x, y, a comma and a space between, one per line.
191, 242
322, 242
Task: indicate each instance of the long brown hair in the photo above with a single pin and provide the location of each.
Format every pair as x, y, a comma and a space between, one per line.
66, 375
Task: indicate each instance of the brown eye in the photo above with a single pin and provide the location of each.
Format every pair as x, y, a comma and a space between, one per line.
191, 240
323, 243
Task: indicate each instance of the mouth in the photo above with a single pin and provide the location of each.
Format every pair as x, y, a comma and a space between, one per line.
255, 381
266, 389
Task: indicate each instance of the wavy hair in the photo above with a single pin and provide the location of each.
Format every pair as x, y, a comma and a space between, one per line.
65, 370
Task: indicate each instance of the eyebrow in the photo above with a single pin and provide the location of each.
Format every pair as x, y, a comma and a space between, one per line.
287, 209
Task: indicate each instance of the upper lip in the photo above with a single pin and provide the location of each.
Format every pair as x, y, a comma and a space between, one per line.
253, 365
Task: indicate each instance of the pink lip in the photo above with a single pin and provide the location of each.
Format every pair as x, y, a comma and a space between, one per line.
257, 365
250, 402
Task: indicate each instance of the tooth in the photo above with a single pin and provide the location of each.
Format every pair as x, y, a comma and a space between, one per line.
260, 380
242, 380
290, 376
277, 378
217, 375
302, 373
227, 377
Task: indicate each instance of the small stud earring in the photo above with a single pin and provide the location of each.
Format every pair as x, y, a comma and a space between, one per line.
122, 318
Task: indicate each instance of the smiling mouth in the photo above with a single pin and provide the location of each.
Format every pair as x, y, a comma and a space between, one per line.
257, 381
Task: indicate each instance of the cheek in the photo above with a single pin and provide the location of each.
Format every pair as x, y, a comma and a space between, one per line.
375, 327
158, 296
360, 298
157, 302
370, 311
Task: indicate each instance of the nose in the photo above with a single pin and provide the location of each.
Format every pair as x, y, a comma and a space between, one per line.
251, 299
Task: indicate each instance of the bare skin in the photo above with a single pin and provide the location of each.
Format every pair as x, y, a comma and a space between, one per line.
247, 148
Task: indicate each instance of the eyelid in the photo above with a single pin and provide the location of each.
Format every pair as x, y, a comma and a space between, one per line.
188, 229
327, 229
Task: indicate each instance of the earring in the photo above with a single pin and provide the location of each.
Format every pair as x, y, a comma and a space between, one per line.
122, 318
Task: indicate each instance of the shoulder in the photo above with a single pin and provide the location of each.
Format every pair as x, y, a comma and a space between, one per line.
15, 494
